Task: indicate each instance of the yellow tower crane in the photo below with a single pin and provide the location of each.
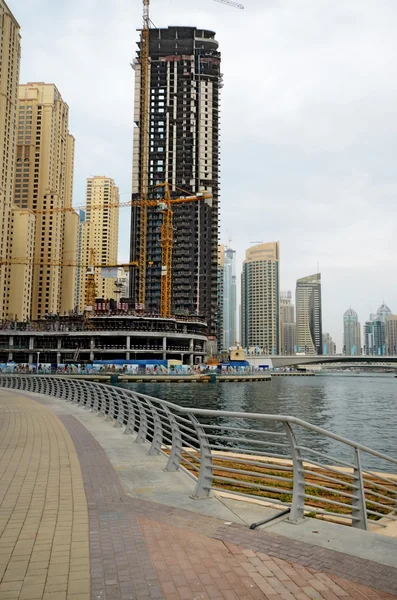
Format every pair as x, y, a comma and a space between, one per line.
165, 205
90, 287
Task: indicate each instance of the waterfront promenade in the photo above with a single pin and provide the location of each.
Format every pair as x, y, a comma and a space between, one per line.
83, 517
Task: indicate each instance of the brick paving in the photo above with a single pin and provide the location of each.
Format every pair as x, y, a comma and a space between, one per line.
44, 550
66, 521
178, 555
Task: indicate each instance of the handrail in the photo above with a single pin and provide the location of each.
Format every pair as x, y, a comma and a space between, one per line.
243, 465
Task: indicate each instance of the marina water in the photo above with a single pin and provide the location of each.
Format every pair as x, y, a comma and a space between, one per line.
360, 407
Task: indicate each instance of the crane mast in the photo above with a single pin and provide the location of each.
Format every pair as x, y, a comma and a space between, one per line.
144, 153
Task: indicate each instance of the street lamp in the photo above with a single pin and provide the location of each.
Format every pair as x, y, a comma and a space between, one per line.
38, 361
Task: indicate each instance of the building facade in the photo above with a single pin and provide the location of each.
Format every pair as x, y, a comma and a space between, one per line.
10, 52
185, 82
260, 298
374, 338
22, 241
375, 332
44, 185
351, 334
227, 298
309, 332
99, 237
221, 264
391, 335
329, 346
287, 324
79, 269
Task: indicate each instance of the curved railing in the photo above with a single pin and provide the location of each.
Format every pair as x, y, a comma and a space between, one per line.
279, 459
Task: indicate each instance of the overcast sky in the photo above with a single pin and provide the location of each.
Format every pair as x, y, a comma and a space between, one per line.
309, 125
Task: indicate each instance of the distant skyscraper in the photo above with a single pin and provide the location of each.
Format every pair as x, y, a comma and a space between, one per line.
221, 264
185, 84
351, 333
10, 51
288, 325
375, 332
44, 182
309, 315
329, 347
229, 299
391, 335
79, 255
100, 232
260, 298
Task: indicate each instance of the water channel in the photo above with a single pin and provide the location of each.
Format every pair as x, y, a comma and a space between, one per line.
360, 407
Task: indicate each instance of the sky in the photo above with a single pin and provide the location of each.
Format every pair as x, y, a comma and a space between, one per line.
309, 125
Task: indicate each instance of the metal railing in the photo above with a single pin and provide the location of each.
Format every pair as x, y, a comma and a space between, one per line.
279, 459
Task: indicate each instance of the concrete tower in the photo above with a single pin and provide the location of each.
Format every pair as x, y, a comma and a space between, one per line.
185, 82
10, 51
260, 298
100, 233
44, 183
351, 333
308, 315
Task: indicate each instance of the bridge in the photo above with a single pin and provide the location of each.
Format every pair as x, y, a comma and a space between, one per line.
296, 360
109, 493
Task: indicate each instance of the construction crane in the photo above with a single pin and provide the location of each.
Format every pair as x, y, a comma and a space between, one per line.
167, 238
144, 174
232, 4
90, 287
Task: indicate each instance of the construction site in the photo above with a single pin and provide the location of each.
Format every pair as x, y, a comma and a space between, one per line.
174, 203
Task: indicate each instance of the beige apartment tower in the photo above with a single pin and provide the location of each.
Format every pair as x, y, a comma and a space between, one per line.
260, 298
44, 185
99, 236
10, 51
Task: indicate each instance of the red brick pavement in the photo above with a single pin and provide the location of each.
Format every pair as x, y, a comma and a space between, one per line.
142, 550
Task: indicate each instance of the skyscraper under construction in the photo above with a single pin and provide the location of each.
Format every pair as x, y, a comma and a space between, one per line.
183, 149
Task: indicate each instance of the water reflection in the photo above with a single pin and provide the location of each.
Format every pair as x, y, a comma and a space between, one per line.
362, 408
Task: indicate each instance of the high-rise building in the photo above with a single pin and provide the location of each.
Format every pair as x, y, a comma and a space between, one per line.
374, 338
185, 82
44, 184
22, 240
10, 52
79, 300
375, 332
287, 324
100, 234
391, 335
351, 333
309, 331
221, 264
227, 298
260, 298
329, 346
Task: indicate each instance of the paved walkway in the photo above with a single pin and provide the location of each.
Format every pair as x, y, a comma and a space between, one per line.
69, 531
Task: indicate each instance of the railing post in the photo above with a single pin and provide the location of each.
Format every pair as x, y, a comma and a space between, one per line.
121, 415
298, 492
174, 460
130, 427
204, 481
110, 414
142, 431
157, 441
359, 509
